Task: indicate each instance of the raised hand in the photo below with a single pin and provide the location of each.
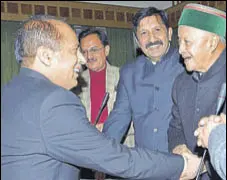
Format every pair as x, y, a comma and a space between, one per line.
205, 126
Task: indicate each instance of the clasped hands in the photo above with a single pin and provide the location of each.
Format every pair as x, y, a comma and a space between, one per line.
191, 162
205, 126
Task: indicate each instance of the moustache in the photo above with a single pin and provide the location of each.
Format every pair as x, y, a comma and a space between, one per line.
91, 59
153, 44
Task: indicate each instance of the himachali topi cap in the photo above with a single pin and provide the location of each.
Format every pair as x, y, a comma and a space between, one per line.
204, 18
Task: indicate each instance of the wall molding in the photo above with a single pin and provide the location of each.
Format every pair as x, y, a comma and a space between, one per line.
89, 14
79, 13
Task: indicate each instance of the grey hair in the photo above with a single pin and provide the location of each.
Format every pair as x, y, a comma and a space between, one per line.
36, 32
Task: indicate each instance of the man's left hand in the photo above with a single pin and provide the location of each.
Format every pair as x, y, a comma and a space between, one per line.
205, 126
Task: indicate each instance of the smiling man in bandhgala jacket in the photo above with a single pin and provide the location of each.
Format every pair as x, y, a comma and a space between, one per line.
145, 86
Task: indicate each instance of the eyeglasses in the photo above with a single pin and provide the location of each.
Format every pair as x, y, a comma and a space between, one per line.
92, 50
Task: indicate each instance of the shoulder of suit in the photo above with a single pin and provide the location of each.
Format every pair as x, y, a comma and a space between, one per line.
60, 94
60, 98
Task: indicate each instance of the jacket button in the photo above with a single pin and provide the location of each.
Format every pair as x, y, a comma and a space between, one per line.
157, 88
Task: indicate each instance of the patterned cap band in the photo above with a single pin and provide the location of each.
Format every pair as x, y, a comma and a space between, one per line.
204, 18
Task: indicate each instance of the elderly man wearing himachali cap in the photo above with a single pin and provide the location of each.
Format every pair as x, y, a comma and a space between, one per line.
202, 44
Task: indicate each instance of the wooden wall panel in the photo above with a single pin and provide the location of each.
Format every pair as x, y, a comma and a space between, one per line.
51, 10
26, 9
12, 8
40, 9
99, 14
78, 13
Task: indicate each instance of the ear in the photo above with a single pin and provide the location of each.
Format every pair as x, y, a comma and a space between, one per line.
170, 33
136, 39
214, 42
45, 55
107, 50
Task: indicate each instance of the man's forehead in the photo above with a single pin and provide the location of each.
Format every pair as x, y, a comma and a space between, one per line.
193, 33
185, 28
153, 20
90, 40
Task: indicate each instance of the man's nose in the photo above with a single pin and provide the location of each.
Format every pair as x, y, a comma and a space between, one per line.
89, 55
152, 37
181, 48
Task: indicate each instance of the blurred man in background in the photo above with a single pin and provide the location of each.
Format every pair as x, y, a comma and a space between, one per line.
100, 77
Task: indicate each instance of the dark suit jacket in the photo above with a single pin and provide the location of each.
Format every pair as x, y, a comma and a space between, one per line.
46, 135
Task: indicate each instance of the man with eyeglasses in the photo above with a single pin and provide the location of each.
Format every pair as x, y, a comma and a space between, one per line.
100, 77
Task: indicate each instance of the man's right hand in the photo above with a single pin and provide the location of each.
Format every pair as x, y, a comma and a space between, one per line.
182, 149
191, 165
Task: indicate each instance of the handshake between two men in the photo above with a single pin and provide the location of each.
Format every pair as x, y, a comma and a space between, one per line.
207, 125
191, 165
211, 134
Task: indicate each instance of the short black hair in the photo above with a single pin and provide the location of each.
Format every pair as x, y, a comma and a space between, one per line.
101, 34
150, 11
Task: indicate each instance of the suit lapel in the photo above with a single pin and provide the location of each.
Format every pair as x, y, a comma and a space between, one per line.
85, 97
111, 83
